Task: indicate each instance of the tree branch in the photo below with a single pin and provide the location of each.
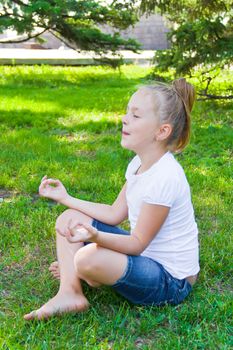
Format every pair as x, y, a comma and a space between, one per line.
63, 40
214, 97
207, 85
22, 40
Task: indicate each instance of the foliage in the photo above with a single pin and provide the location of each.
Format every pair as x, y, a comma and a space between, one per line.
74, 21
66, 123
201, 36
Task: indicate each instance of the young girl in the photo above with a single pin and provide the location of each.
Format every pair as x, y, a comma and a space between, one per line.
158, 261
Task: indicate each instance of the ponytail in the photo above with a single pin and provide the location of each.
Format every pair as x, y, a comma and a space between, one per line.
186, 93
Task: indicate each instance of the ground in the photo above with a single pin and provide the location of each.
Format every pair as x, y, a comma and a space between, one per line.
66, 122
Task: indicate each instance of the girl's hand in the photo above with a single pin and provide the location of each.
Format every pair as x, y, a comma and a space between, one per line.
81, 232
53, 189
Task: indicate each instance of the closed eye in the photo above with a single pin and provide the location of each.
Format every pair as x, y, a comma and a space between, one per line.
136, 116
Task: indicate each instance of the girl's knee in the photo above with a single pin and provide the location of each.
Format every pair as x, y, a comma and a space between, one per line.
64, 216
70, 214
84, 261
93, 284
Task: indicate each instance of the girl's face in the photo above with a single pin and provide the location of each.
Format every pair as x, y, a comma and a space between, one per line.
140, 122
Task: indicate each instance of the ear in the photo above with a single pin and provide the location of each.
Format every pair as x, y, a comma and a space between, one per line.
163, 132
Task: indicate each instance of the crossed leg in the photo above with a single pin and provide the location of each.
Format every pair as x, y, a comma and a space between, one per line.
94, 264
99, 266
70, 296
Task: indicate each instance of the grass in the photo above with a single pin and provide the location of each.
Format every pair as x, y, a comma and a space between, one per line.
66, 122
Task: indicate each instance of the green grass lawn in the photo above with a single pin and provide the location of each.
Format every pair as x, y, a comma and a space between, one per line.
66, 122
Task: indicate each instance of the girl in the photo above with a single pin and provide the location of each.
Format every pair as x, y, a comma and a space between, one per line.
158, 261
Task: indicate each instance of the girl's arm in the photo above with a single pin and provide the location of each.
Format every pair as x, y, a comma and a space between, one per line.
150, 220
109, 214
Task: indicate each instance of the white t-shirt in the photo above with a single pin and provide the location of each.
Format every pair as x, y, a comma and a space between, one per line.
176, 244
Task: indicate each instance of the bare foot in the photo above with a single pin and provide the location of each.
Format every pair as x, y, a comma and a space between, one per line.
61, 303
54, 269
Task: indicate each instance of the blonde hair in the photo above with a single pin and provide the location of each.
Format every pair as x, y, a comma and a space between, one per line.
173, 104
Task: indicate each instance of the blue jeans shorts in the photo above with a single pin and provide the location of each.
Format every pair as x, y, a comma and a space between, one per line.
145, 281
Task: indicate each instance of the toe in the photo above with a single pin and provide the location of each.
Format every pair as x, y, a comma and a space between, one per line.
55, 273
51, 269
54, 265
37, 315
30, 316
42, 315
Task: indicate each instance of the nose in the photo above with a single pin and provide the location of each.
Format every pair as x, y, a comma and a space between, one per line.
124, 119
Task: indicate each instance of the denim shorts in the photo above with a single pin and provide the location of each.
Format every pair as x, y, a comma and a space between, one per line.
145, 281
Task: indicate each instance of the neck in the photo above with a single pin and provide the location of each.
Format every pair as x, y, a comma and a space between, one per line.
150, 157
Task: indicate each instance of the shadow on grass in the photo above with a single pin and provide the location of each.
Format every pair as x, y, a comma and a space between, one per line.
32, 153
63, 103
27, 155
25, 118
55, 123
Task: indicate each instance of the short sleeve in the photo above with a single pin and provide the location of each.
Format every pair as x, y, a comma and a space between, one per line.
162, 192
132, 167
